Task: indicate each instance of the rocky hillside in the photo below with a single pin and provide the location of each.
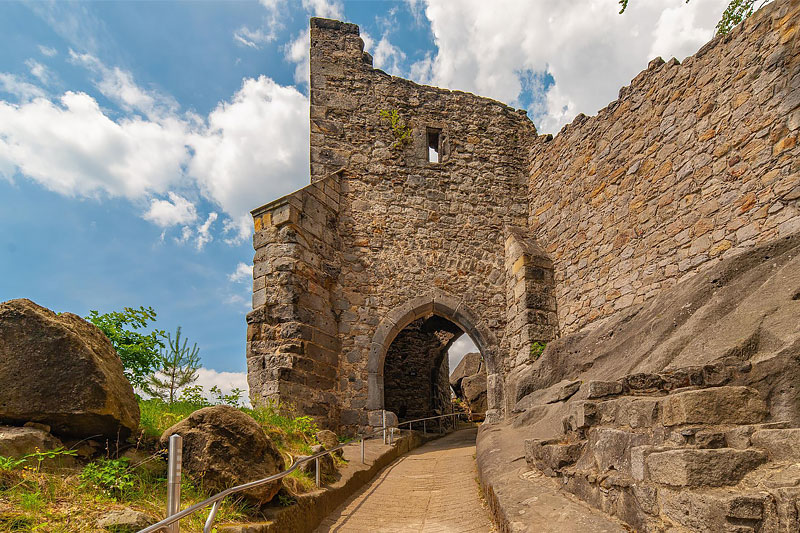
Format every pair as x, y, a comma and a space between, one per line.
681, 414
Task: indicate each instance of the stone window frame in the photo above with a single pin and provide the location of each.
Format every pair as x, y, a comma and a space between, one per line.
440, 144
422, 127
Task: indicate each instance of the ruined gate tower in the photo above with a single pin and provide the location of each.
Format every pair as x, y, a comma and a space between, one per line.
416, 209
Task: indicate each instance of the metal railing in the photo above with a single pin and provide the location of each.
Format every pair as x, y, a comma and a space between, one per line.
171, 523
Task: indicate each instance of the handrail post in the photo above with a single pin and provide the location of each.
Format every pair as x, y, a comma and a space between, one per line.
363, 454
317, 469
424, 429
383, 412
211, 515
174, 479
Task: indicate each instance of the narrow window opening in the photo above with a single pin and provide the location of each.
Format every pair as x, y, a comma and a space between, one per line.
433, 147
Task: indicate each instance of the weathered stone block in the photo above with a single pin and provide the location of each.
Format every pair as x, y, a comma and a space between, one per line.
697, 468
600, 389
780, 444
551, 456
611, 448
718, 405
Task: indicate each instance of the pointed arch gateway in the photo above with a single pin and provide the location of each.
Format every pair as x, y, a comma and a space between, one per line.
435, 304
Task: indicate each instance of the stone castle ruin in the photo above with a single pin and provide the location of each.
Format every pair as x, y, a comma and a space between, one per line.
434, 213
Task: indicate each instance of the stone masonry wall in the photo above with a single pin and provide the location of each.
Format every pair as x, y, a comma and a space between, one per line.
695, 162
416, 372
292, 334
409, 227
514, 237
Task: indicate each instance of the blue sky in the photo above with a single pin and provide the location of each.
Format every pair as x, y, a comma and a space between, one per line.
136, 136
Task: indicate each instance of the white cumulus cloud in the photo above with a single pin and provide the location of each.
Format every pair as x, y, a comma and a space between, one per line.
226, 381
243, 273
254, 149
173, 212
250, 149
71, 147
589, 49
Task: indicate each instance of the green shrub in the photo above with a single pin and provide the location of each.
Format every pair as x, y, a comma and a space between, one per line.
536, 349
10, 463
112, 476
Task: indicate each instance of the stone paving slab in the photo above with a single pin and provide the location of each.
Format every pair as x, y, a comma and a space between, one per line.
311, 508
432, 489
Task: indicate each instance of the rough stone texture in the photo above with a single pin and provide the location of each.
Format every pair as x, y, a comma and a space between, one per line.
469, 383
694, 468
20, 441
62, 371
125, 521
223, 447
382, 237
710, 446
516, 238
551, 456
720, 405
327, 466
780, 444
416, 369
329, 440
474, 393
469, 365
733, 324
694, 162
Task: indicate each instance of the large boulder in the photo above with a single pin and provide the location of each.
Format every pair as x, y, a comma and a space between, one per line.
474, 393
469, 366
223, 447
469, 384
329, 440
62, 371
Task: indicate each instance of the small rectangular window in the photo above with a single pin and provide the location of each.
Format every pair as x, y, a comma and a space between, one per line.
434, 151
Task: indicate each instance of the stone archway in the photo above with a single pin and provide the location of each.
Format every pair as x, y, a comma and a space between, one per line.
446, 306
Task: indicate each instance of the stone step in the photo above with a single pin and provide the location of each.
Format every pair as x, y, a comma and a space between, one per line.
550, 456
627, 411
718, 405
780, 444
694, 467
718, 511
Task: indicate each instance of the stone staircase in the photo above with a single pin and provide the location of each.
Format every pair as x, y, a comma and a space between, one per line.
675, 452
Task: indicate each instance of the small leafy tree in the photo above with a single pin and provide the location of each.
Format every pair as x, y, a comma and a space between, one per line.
178, 366
138, 351
737, 11
194, 394
233, 399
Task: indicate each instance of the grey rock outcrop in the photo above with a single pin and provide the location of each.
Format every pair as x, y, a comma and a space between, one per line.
223, 447
468, 381
735, 323
20, 441
686, 412
125, 521
329, 440
62, 371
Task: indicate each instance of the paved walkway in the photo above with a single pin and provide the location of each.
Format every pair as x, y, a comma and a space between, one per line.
432, 489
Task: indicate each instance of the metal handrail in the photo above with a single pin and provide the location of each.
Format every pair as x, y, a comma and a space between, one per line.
216, 499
